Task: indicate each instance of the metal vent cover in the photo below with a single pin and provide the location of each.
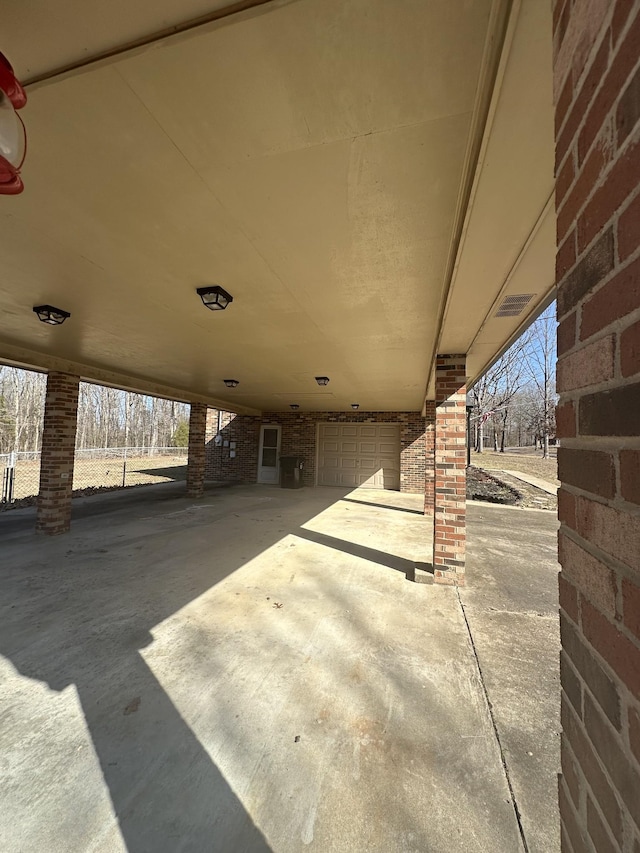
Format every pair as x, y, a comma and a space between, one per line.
511, 306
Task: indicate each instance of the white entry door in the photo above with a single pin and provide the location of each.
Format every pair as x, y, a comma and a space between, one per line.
269, 455
366, 455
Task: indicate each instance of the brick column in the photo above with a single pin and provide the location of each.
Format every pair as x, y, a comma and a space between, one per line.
197, 450
597, 96
58, 447
449, 519
429, 457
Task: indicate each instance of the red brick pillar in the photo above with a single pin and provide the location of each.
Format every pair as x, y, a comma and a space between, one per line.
449, 520
597, 95
429, 458
58, 447
197, 450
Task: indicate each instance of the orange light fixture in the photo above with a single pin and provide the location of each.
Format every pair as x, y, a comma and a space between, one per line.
13, 136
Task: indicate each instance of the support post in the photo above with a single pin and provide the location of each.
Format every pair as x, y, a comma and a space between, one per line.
196, 460
597, 121
58, 448
449, 527
469, 408
429, 458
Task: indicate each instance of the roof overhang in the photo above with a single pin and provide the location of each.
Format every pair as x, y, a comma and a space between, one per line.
368, 180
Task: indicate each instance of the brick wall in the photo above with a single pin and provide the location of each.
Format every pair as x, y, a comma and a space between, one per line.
299, 436
58, 446
245, 431
196, 460
597, 93
429, 448
449, 514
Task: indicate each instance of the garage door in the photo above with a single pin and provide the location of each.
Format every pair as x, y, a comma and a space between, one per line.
365, 455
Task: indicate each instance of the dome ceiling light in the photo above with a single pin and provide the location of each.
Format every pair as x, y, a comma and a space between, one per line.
49, 314
215, 298
231, 383
322, 380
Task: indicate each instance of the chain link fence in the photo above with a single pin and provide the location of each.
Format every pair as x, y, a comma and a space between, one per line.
20, 476
95, 468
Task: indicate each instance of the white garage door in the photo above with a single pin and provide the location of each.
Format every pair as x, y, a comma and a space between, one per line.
365, 455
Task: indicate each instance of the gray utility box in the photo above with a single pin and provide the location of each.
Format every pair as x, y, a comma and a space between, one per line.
291, 472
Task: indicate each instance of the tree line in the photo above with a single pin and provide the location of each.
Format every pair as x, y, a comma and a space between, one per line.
107, 417
515, 400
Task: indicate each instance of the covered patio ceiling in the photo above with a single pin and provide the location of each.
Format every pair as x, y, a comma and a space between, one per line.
368, 179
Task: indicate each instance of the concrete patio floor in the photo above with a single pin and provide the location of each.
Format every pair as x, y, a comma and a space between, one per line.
253, 671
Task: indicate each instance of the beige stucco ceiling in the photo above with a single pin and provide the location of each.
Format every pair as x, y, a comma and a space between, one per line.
309, 156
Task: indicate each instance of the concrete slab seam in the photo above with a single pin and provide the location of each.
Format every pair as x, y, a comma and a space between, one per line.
512, 793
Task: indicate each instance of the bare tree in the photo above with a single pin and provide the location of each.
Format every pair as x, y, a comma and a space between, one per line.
23, 394
540, 365
495, 391
521, 382
103, 415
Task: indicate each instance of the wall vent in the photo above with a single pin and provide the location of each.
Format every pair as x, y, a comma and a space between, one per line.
511, 306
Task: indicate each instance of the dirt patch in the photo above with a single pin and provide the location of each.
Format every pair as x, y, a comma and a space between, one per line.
482, 486
546, 469
507, 490
19, 504
76, 493
530, 496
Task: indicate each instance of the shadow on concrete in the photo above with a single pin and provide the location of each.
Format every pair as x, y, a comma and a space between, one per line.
389, 561
171, 472
384, 506
79, 622
80, 610
171, 801
21, 520
90, 635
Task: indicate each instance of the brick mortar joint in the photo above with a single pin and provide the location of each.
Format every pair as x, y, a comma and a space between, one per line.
581, 810
620, 569
616, 327
579, 172
602, 282
577, 86
616, 503
618, 267
613, 384
626, 700
605, 444
601, 334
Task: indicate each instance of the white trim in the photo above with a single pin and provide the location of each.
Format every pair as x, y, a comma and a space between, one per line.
315, 478
260, 448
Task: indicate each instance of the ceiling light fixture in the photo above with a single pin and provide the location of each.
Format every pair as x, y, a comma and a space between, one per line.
355, 405
13, 136
49, 314
322, 380
294, 406
215, 298
231, 383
